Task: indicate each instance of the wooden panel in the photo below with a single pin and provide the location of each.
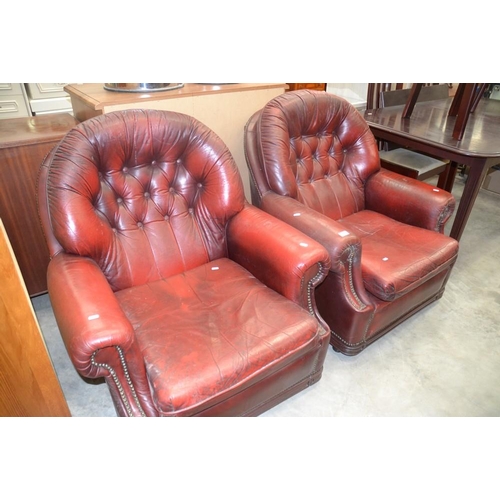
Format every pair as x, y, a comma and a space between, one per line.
310, 86
95, 96
24, 142
28, 383
223, 108
82, 111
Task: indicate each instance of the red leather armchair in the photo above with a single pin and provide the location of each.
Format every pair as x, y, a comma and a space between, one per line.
163, 279
314, 164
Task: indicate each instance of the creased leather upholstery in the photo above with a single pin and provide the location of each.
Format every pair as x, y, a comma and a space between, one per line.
208, 355
397, 257
165, 281
149, 207
314, 164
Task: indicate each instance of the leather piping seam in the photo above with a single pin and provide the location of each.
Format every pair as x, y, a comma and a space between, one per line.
309, 377
358, 304
118, 383
253, 179
251, 171
316, 361
310, 288
348, 343
443, 215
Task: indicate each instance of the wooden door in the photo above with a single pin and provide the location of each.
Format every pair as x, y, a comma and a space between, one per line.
28, 383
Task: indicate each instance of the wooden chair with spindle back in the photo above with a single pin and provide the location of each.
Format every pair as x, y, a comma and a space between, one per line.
402, 160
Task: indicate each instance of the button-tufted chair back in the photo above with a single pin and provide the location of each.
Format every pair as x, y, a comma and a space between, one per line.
315, 165
165, 281
147, 196
327, 146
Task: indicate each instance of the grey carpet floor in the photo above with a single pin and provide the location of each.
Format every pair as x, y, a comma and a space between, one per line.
442, 362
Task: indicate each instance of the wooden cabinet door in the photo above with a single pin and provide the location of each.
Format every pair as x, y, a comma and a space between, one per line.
24, 142
28, 383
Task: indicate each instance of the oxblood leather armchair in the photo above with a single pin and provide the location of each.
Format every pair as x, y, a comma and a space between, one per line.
314, 164
165, 281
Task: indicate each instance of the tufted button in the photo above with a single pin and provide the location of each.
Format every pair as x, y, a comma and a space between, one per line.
171, 190
119, 200
147, 195
200, 184
166, 217
140, 225
191, 211
125, 170
153, 163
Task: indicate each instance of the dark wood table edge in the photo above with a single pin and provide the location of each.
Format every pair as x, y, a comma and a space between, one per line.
479, 164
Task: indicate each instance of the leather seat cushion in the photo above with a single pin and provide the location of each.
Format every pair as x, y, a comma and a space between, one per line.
396, 258
211, 332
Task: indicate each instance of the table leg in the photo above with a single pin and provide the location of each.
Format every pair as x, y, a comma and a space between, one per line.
469, 195
452, 173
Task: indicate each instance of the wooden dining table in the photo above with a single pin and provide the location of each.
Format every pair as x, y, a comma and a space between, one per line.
429, 130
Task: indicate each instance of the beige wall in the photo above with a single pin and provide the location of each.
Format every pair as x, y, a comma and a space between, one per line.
225, 113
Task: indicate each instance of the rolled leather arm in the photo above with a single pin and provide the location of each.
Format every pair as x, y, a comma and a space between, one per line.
283, 258
408, 200
331, 234
88, 314
343, 247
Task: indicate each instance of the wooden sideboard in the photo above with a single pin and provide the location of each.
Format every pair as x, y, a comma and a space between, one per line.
28, 383
24, 143
225, 108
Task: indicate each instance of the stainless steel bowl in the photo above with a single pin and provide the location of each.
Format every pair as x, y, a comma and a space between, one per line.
142, 87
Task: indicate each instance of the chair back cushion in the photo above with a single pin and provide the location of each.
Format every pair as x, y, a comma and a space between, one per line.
317, 148
145, 193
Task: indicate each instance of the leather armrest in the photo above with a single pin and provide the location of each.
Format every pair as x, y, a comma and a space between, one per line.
88, 314
343, 247
331, 234
408, 200
281, 257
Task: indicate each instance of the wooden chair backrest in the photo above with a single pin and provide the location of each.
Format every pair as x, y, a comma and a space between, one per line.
374, 91
427, 93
